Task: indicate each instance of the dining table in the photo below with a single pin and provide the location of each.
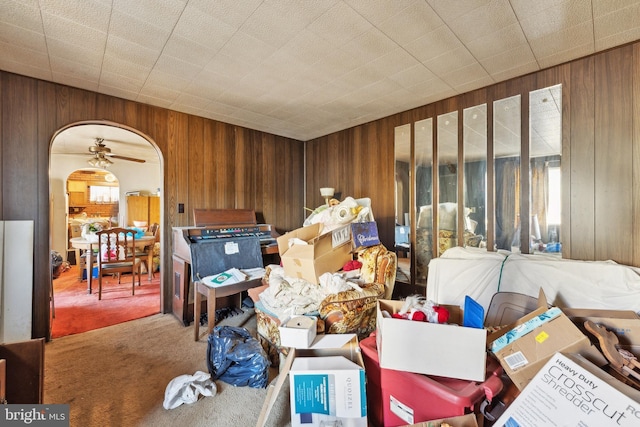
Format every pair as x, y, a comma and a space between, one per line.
144, 243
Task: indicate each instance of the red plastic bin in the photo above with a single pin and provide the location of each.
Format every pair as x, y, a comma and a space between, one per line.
397, 398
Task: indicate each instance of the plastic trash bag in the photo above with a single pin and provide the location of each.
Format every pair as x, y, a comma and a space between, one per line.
236, 357
187, 389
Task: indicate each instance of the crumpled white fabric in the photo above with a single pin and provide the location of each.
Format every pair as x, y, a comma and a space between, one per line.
187, 389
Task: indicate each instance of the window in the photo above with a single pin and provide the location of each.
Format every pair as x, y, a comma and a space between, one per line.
553, 213
104, 194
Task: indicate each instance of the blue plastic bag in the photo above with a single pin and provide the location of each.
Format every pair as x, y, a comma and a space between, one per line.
237, 358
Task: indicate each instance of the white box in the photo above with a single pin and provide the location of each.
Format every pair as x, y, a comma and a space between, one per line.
429, 348
571, 391
298, 331
327, 389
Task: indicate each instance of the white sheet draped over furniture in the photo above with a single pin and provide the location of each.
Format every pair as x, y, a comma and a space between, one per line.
566, 283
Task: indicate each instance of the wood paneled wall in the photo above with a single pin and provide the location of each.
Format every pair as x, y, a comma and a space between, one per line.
600, 162
206, 164
213, 164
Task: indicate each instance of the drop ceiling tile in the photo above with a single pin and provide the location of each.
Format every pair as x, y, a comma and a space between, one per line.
508, 59
617, 27
20, 67
154, 100
191, 101
271, 26
519, 70
71, 52
121, 66
167, 81
188, 51
22, 37
92, 14
246, 48
557, 19
203, 28
376, 11
369, 46
75, 81
18, 54
175, 67
394, 62
130, 52
231, 12
70, 32
118, 91
339, 25
21, 14
137, 31
307, 47
362, 76
506, 39
566, 55
605, 7
433, 44
158, 13
555, 43
336, 64
482, 21
411, 23
228, 66
454, 59
120, 81
526, 8
412, 76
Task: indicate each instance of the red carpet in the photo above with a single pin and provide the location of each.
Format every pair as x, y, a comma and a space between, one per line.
77, 311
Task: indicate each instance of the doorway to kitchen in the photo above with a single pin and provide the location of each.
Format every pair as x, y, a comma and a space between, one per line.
95, 167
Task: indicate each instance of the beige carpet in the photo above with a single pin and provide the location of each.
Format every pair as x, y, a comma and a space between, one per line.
117, 376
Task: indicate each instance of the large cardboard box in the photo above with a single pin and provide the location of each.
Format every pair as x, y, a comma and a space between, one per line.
570, 391
327, 390
323, 253
429, 348
524, 355
344, 345
624, 323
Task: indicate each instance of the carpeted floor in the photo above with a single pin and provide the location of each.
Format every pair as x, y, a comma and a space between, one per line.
117, 376
77, 311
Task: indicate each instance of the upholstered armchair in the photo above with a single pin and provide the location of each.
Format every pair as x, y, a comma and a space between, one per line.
349, 311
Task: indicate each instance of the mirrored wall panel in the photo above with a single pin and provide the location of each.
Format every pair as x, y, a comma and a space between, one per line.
447, 158
475, 175
402, 149
545, 120
506, 149
423, 141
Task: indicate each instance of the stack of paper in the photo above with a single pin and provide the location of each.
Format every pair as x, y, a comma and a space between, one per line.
233, 275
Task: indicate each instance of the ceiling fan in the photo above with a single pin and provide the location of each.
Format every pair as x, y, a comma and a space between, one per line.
100, 152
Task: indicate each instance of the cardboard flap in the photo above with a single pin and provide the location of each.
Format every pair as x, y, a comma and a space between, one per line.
305, 233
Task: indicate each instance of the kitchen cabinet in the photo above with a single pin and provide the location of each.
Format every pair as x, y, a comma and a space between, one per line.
77, 193
143, 208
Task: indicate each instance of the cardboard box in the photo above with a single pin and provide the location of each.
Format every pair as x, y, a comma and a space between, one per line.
468, 420
522, 358
624, 323
345, 345
327, 389
298, 331
429, 348
364, 234
323, 253
569, 390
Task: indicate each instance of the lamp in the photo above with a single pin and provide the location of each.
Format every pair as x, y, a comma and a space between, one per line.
327, 193
100, 161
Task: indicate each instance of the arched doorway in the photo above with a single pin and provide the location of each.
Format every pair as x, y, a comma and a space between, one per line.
125, 153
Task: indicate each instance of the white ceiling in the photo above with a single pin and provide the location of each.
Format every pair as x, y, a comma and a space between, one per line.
296, 68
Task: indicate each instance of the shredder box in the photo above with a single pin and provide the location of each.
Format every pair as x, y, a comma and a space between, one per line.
570, 391
323, 253
446, 350
523, 357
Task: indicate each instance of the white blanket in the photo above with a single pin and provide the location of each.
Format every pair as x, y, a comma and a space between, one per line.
288, 296
566, 283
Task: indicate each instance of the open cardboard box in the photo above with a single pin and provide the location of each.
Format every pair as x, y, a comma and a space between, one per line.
446, 350
345, 345
323, 253
523, 357
624, 323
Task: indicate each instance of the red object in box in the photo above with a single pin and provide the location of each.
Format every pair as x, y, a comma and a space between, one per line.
398, 398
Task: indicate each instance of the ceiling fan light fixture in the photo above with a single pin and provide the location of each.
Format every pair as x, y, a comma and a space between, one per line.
100, 161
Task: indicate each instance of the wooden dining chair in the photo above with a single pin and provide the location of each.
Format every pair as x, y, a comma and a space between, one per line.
143, 253
116, 255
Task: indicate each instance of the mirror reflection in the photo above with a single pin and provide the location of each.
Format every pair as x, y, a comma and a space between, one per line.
447, 155
475, 175
423, 140
506, 148
402, 149
545, 109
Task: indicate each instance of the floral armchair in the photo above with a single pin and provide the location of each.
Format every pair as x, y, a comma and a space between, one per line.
349, 311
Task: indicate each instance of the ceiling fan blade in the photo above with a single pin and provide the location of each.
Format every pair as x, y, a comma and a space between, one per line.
131, 159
